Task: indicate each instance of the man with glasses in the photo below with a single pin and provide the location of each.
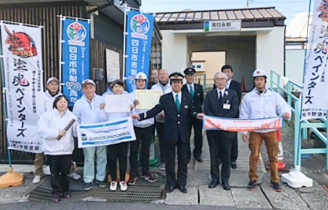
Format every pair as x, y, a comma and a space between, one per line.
220, 102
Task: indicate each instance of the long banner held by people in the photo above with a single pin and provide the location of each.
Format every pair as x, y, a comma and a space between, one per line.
23, 82
107, 133
76, 56
237, 125
138, 45
315, 95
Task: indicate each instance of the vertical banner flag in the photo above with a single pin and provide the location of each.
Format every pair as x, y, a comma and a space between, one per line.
75, 51
138, 45
23, 80
315, 95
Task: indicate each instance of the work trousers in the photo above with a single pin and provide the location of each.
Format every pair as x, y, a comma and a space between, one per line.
117, 152
271, 145
143, 136
38, 164
59, 168
198, 137
90, 154
234, 150
160, 135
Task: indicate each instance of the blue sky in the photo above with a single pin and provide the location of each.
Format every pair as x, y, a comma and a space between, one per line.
289, 8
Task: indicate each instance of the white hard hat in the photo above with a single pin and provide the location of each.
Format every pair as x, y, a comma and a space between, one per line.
141, 75
52, 79
259, 73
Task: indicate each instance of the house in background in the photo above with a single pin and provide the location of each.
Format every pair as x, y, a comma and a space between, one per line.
250, 37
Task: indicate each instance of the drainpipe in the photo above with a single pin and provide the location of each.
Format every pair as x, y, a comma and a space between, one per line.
284, 50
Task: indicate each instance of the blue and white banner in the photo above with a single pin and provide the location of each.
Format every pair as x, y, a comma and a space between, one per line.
76, 56
315, 94
106, 133
23, 82
138, 46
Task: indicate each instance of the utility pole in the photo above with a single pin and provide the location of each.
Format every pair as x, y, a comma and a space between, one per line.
247, 3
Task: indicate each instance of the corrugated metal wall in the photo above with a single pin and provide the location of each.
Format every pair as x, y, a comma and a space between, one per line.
45, 15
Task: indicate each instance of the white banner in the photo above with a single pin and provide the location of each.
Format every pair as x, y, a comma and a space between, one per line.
107, 133
315, 95
22, 65
235, 124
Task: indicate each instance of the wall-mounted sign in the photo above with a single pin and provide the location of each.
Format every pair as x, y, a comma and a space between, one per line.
222, 25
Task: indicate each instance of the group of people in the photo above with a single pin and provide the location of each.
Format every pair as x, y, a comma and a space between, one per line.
180, 109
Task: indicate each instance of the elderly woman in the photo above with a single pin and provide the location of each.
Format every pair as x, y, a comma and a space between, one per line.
58, 144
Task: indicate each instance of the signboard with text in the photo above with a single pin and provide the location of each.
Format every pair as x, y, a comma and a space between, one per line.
138, 45
222, 25
76, 59
23, 82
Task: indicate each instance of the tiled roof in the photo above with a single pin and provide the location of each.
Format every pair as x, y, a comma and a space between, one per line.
263, 13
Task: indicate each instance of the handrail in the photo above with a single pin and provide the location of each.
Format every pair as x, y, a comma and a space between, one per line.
283, 84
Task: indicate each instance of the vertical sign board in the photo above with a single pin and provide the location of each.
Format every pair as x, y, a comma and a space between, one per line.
23, 81
75, 51
138, 45
315, 95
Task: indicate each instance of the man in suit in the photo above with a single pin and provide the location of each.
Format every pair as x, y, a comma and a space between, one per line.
197, 95
236, 86
220, 102
178, 110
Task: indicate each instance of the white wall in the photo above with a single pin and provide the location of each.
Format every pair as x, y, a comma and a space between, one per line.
295, 65
270, 51
174, 51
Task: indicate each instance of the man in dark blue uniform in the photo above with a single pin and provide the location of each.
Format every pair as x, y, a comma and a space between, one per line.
178, 112
197, 96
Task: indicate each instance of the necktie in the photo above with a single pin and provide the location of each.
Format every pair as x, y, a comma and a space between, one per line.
177, 102
220, 98
191, 91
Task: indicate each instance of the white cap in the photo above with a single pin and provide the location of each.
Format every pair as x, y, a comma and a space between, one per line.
52, 79
88, 82
141, 75
259, 73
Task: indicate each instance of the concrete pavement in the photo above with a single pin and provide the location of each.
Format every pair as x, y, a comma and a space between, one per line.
238, 197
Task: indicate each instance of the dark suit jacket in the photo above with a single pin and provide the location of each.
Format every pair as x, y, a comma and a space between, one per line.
198, 99
176, 123
236, 86
212, 107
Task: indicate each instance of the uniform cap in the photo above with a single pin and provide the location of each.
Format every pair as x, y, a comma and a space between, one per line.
189, 71
259, 73
176, 76
88, 82
52, 79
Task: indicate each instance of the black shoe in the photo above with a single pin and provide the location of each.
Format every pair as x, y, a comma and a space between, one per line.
183, 189
170, 189
252, 184
226, 185
199, 159
234, 165
87, 186
276, 186
213, 184
101, 184
66, 195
